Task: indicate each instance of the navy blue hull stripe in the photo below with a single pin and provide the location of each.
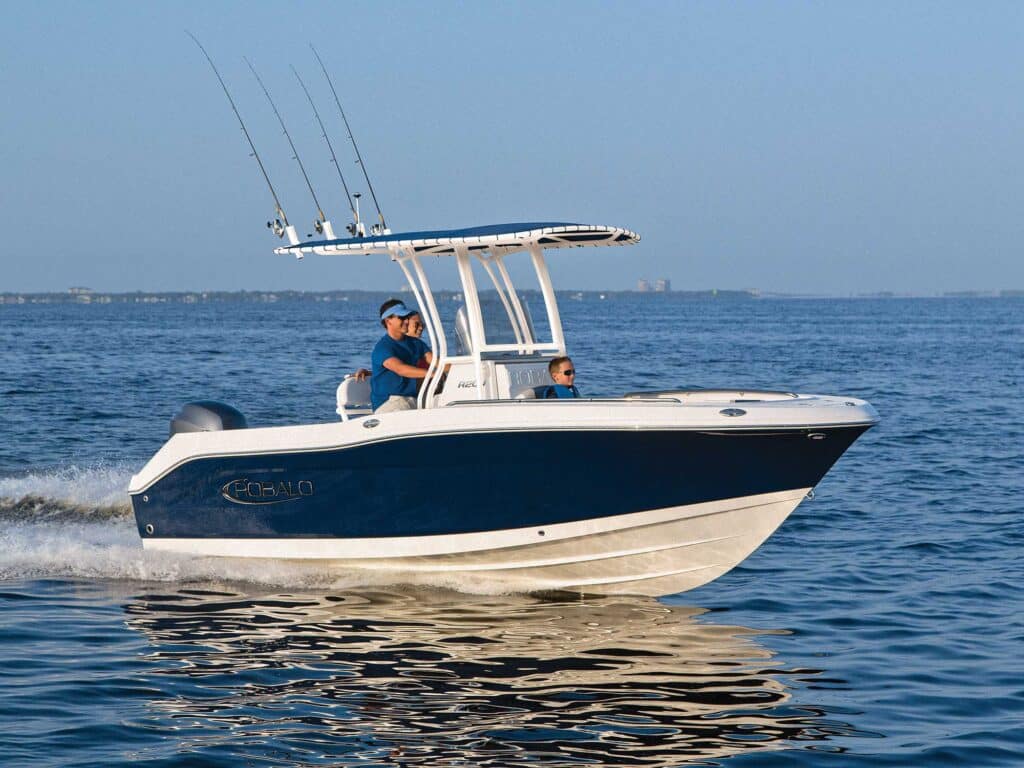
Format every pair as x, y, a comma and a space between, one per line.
451, 484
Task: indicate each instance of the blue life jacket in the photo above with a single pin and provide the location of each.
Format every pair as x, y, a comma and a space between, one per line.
559, 390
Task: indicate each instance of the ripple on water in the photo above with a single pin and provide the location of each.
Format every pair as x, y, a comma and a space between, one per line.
417, 677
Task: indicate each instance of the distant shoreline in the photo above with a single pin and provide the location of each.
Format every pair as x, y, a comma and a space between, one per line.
88, 296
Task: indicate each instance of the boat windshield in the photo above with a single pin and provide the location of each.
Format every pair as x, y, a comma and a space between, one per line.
500, 325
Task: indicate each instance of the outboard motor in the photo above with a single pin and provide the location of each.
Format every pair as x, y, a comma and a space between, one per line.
207, 416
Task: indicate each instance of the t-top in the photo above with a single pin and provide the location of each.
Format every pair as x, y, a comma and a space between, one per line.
385, 383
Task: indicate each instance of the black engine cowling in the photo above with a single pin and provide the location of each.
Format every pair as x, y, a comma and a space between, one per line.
207, 416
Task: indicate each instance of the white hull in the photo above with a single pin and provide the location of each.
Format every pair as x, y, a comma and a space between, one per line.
655, 552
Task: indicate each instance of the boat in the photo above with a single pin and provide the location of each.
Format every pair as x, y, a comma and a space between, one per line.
486, 481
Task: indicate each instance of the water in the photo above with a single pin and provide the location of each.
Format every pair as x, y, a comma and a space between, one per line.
882, 625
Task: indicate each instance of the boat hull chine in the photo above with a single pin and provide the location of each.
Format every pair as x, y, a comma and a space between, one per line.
655, 552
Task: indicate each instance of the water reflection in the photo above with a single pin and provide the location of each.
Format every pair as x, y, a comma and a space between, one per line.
432, 678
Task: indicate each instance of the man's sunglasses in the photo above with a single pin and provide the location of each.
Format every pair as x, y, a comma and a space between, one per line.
570, 372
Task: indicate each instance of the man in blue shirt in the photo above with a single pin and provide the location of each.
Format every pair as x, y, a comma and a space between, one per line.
394, 374
564, 376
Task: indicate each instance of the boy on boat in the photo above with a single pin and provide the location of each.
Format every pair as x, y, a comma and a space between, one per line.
564, 376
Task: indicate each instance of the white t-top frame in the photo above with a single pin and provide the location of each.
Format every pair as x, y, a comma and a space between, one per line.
488, 247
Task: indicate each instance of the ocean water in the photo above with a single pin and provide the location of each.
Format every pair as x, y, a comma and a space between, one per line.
883, 624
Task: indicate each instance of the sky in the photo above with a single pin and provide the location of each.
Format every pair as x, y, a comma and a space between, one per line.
801, 147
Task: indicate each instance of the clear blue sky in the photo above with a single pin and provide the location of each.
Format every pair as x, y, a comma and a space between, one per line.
804, 147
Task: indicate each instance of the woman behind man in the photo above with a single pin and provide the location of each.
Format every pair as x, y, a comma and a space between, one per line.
415, 331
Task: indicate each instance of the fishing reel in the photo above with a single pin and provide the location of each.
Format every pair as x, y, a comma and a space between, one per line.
276, 227
318, 225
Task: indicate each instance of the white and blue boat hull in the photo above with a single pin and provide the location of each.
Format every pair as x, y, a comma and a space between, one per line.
624, 496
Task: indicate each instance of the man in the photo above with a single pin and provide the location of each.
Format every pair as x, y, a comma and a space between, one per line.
394, 373
413, 337
564, 376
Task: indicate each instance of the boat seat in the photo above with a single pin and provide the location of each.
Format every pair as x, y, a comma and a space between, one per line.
532, 393
526, 393
353, 398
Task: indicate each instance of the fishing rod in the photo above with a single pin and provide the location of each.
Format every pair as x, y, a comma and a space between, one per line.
319, 224
383, 226
280, 225
334, 157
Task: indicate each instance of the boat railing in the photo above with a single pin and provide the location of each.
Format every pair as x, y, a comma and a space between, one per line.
575, 401
715, 395
526, 348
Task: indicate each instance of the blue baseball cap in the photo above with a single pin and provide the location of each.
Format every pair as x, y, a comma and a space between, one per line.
398, 310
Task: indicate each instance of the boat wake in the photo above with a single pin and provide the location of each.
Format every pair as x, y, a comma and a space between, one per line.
77, 522
71, 494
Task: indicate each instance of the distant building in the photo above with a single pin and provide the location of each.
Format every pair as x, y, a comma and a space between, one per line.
662, 285
642, 286
78, 291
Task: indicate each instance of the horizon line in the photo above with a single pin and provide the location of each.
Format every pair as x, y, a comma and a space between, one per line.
84, 294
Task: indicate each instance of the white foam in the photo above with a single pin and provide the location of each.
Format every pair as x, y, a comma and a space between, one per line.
111, 549
93, 485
